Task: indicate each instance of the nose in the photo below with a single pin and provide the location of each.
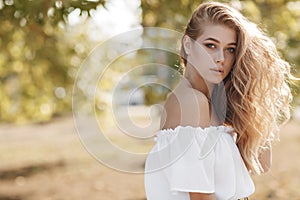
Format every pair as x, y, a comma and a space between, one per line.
219, 57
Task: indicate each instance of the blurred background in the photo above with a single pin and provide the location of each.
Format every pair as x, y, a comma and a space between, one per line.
42, 46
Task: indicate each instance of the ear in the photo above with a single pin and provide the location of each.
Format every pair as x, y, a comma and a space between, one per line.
187, 42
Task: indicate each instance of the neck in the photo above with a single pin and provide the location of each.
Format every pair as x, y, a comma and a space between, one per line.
197, 82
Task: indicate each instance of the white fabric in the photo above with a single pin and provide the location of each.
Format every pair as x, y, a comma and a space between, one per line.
191, 159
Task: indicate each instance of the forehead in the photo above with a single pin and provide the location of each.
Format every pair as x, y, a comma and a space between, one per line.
221, 33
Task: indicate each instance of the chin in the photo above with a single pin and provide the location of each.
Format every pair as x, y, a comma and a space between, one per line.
215, 81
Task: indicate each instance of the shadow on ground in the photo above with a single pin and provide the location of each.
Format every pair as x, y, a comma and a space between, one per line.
26, 171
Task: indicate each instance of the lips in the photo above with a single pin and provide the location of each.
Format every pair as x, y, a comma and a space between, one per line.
218, 69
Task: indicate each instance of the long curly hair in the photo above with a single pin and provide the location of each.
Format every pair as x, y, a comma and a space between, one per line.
257, 92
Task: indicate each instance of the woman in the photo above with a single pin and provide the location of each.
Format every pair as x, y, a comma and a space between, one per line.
221, 118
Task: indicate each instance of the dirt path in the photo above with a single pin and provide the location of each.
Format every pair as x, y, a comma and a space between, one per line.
48, 162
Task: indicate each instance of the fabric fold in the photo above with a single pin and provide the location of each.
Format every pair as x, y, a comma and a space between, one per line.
194, 159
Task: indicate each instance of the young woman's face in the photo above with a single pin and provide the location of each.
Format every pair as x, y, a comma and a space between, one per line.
213, 53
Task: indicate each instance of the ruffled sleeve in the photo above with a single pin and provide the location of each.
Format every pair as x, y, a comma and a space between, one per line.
186, 155
199, 160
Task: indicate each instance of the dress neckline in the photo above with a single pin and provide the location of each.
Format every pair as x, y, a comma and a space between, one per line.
195, 127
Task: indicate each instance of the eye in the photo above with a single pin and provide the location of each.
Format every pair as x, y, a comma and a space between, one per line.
210, 46
231, 50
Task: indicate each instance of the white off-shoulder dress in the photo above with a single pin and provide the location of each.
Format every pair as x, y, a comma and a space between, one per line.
192, 159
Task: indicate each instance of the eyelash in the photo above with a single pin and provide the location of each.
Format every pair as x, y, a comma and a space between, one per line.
231, 50
212, 46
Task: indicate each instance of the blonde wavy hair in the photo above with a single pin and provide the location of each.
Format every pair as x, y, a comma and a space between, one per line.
257, 92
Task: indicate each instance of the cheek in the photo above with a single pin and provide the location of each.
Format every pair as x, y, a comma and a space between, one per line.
200, 57
230, 60
229, 64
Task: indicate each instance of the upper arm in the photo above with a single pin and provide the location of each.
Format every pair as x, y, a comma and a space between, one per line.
202, 196
265, 158
188, 109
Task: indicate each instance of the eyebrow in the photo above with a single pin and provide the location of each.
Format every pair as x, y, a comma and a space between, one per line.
217, 41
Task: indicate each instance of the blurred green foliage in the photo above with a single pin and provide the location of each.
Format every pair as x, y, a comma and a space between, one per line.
38, 61
36, 58
280, 19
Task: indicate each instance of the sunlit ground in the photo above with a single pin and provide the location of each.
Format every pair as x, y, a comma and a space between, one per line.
48, 161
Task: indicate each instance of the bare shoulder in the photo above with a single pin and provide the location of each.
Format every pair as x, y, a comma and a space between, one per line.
187, 107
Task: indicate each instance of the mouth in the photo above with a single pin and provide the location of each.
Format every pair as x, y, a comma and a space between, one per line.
218, 69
